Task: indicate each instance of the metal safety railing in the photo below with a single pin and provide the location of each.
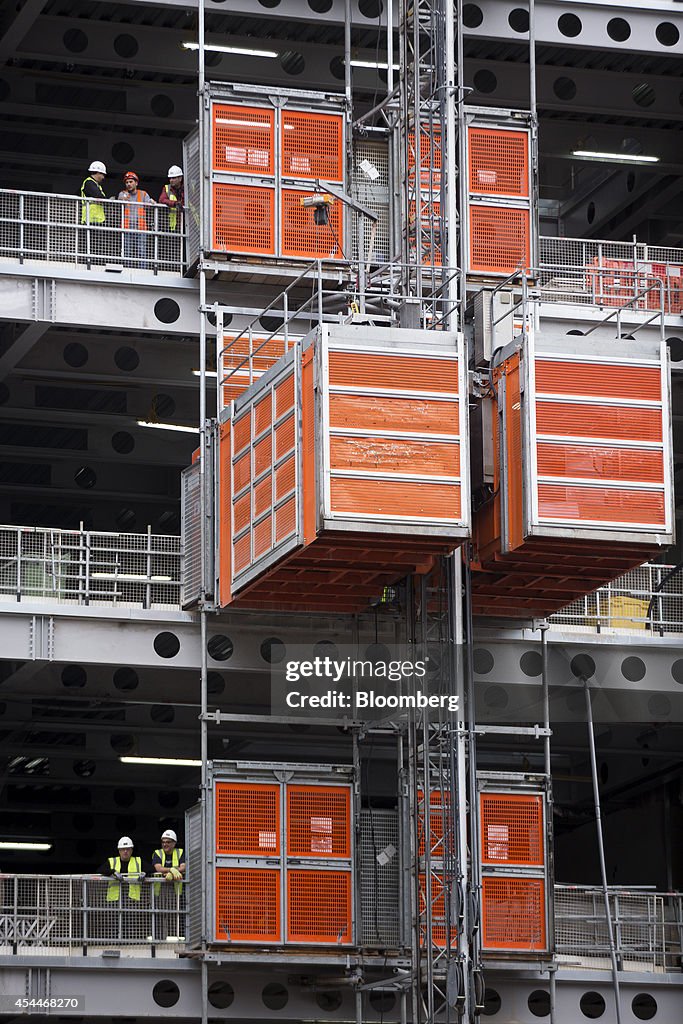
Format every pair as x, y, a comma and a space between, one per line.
603, 273
647, 927
84, 567
90, 233
68, 914
648, 598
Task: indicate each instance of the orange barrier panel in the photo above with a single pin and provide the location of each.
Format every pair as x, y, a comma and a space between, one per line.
498, 163
513, 914
247, 905
369, 479
499, 238
589, 494
312, 145
511, 828
319, 906
318, 821
243, 139
437, 813
243, 219
302, 237
247, 819
430, 157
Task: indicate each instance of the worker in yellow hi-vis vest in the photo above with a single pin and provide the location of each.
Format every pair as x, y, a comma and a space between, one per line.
125, 894
169, 864
92, 237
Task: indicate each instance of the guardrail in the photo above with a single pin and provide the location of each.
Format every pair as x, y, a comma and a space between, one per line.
648, 598
603, 273
69, 914
647, 927
83, 567
87, 233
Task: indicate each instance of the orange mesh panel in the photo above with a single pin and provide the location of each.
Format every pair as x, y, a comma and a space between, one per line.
312, 145
513, 914
395, 498
439, 924
285, 520
579, 419
263, 495
243, 139
498, 162
499, 239
318, 822
406, 373
284, 437
262, 415
247, 819
242, 512
511, 828
263, 455
284, 478
242, 472
430, 458
242, 432
284, 395
302, 237
513, 445
594, 462
319, 906
247, 905
601, 504
408, 415
263, 539
243, 219
241, 553
436, 822
430, 157
605, 381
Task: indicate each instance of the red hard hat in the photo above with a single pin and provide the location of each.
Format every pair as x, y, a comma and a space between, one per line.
130, 174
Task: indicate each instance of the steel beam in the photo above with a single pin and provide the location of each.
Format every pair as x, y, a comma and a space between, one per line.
18, 25
21, 346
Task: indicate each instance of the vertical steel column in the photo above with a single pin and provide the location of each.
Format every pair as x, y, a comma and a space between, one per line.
601, 851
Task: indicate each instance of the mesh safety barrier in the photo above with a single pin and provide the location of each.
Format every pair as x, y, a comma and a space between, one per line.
511, 828
247, 819
302, 237
243, 218
243, 139
312, 145
318, 822
248, 905
319, 906
513, 914
498, 162
499, 239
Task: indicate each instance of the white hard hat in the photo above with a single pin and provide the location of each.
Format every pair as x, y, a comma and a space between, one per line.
175, 171
125, 843
98, 166
169, 834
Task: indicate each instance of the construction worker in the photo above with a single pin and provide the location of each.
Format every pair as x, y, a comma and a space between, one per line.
92, 211
124, 891
173, 196
134, 219
169, 863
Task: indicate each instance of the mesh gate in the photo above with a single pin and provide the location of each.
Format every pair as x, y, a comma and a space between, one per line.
312, 145
499, 239
380, 878
243, 139
498, 162
513, 914
243, 219
511, 828
247, 819
248, 905
319, 906
318, 822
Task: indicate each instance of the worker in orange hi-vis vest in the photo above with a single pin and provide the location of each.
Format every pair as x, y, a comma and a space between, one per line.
134, 221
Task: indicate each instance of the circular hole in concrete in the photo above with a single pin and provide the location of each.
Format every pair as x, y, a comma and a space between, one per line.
220, 647
166, 644
166, 993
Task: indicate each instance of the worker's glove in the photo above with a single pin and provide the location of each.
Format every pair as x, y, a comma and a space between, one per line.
169, 876
119, 875
176, 875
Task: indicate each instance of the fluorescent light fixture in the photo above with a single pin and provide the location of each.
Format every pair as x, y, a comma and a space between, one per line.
173, 762
209, 373
380, 65
9, 844
168, 426
622, 158
244, 50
